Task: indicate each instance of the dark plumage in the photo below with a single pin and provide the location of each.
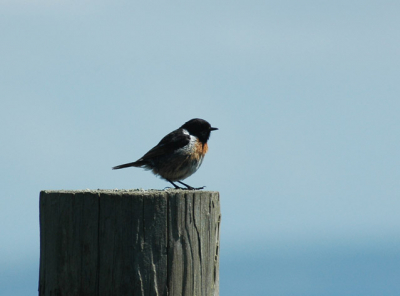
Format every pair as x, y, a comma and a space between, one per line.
179, 154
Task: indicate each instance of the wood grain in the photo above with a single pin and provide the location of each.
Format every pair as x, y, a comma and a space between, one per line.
129, 242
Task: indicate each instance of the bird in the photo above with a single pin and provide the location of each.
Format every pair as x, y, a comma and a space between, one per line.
179, 154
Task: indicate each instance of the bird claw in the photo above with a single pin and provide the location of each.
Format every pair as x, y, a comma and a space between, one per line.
199, 188
188, 188
193, 188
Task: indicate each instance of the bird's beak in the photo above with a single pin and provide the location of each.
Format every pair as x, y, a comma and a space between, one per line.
213, 128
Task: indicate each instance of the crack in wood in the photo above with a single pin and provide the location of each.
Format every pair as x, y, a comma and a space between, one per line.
159, 243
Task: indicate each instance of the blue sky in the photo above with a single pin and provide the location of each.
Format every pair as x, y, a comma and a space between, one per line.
305, 95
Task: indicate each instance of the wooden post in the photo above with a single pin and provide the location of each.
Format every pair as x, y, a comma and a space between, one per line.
129, 242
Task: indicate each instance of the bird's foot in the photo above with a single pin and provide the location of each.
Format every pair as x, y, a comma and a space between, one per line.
193, 188
190, 187
198, 188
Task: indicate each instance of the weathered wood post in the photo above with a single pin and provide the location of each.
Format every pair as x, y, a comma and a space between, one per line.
129, 242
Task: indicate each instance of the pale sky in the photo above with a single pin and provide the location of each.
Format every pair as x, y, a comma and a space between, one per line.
305, 95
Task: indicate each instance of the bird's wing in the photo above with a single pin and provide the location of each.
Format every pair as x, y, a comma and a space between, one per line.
174, 140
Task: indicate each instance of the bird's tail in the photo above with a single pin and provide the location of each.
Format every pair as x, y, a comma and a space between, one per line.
137, 164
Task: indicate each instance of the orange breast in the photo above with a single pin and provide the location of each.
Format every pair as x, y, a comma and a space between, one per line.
205, 149
200, 150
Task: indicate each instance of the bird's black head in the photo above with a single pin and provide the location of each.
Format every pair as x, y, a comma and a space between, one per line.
199, 128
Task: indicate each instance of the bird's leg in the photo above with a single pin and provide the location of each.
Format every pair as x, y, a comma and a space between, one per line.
176, 187
190, 187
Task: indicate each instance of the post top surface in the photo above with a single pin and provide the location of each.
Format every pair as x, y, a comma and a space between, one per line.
126, 191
